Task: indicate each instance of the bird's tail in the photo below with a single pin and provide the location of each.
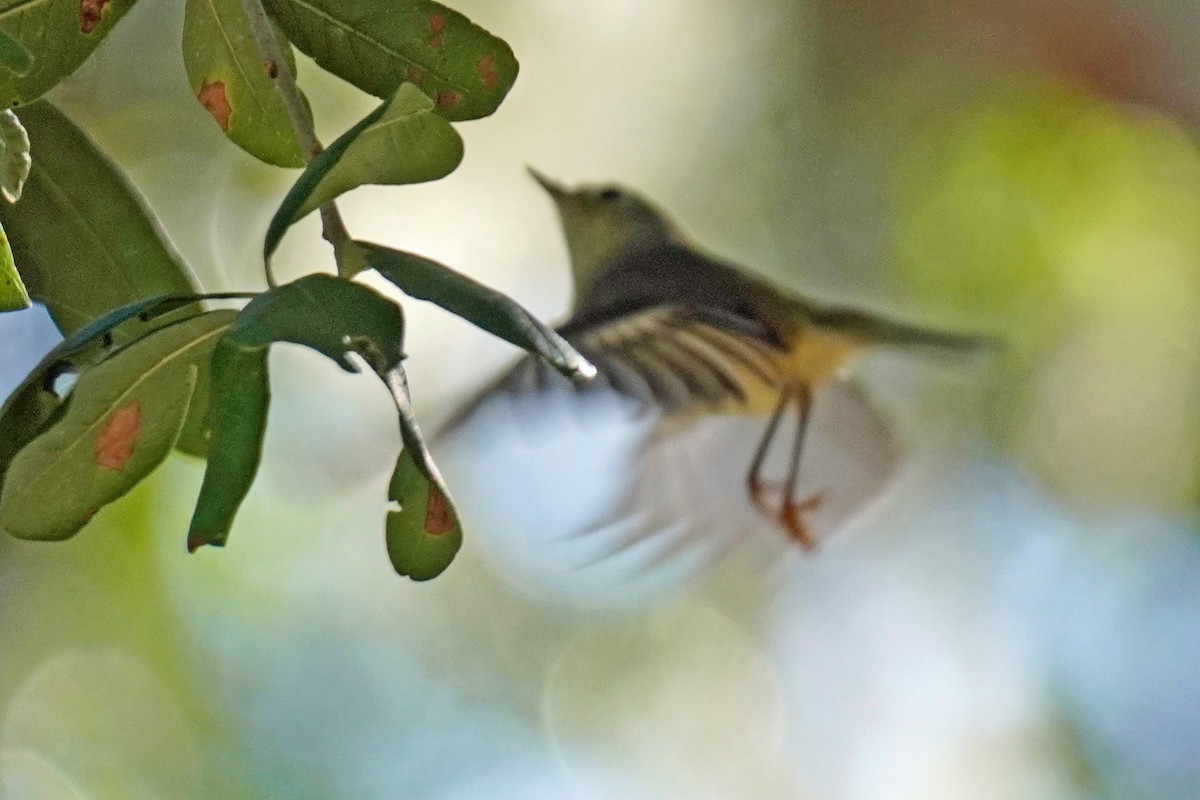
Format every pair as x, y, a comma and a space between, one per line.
887, 332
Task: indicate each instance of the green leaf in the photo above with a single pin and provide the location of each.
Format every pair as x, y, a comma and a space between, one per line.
95, 341
425, 534
14, 156
13, 295
147, 309
376, 44
492, 311
335, 317
401, 141
118, 423
14, 57
14, 169
82, 238
34, 402
238, 419
406, 143
26, 414
229, 78
332, 316
60, 35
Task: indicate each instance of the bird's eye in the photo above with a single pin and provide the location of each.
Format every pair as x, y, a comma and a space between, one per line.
610, 194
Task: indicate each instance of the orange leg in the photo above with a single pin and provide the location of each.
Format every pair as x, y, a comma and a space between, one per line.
791, 512
754, 481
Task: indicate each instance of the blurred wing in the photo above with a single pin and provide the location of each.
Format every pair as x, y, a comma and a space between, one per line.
694, 469
680, 358
598, 494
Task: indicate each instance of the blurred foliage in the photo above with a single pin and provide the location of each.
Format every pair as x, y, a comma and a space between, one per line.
1070, 226
1037, 200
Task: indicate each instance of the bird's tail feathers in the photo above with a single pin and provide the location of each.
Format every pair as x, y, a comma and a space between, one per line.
880, 330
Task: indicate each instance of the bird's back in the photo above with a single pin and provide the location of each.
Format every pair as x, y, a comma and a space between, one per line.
661, 273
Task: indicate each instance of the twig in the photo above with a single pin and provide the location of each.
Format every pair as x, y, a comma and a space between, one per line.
333, 229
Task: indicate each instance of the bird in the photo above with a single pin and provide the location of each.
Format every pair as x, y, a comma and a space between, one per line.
684, 342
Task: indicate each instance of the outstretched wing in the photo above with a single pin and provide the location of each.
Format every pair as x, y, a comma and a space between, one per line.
625, 484
681, 358
673, 359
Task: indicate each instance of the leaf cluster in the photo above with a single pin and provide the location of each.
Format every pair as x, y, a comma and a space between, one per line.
146, 366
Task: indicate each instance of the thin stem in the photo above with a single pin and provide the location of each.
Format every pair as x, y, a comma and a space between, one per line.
227, 295
333, 229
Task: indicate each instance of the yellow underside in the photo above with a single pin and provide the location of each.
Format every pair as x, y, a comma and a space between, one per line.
813, 358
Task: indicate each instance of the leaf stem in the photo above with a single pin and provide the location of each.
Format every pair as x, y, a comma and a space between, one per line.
333, 229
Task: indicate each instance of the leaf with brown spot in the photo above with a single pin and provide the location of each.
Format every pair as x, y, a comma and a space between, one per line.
333, 316
118, 437
439, 514
212, 97
424, 535
437, 27
58, 35
226, 70
375, 44
90, 14
78, 208
121, 419
34, 405
486, 67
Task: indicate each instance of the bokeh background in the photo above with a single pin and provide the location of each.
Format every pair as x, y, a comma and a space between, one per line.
1019, 619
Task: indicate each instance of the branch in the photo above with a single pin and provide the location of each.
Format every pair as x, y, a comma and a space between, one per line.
333, 229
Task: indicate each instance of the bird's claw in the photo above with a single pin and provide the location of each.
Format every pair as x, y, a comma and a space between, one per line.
790, 515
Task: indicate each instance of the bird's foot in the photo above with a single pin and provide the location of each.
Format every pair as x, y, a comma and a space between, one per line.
791, 516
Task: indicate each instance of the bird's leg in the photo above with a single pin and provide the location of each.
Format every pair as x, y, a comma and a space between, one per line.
791, 513
754, 482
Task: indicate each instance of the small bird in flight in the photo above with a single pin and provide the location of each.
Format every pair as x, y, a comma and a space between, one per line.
695, 340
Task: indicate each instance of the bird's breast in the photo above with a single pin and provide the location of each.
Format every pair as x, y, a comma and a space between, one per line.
812, 358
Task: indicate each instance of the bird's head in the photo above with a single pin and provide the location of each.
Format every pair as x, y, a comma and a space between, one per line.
602, 221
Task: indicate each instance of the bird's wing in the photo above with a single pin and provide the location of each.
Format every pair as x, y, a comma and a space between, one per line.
694, 469
681, 358
602, 491
675, 359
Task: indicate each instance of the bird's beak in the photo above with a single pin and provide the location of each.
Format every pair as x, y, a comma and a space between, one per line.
553, 188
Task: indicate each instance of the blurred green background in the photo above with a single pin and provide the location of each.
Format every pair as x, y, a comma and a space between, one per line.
1019, 621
